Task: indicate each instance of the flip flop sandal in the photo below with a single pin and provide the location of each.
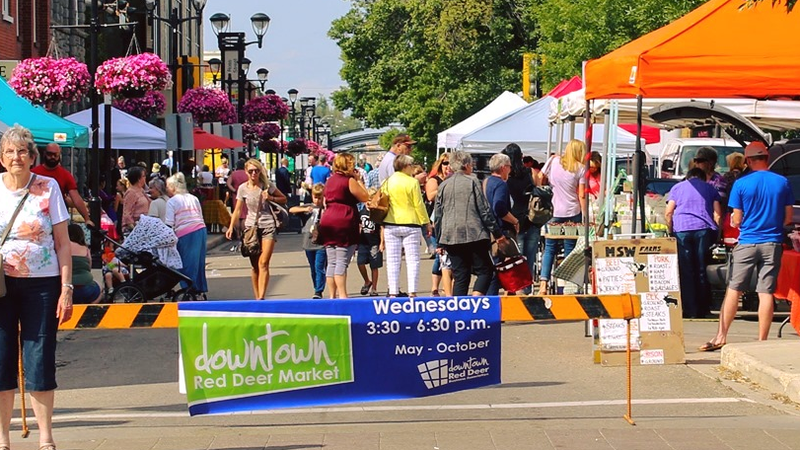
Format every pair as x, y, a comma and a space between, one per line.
365, 288
48, 447
710, 347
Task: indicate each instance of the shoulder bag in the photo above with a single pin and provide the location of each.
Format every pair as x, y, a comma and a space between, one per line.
315, 239
378, 205
251, 244
540, 204
7, 231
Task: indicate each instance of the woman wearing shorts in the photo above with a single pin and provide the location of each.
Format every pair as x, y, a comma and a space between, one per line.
256, 193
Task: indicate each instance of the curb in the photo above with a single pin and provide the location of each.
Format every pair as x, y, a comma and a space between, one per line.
771, 364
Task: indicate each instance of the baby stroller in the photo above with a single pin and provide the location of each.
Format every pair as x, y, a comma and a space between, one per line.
150, 253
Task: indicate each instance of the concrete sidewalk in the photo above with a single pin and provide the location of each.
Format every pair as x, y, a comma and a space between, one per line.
772, 364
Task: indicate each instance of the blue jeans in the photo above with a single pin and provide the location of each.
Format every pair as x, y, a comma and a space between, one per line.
694, 249
317, 262
551, 246
528, 241
31, 305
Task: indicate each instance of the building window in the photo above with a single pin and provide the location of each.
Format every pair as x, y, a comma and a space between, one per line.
6, 5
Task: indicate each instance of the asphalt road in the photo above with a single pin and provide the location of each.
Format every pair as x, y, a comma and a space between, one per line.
552, 395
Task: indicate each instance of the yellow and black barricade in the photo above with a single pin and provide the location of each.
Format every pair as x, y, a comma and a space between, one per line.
123, 315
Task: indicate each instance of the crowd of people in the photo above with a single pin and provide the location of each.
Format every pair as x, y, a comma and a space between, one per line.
468, 225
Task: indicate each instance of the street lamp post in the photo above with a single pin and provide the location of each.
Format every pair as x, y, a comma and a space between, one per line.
174, 22
292, 100
236, 42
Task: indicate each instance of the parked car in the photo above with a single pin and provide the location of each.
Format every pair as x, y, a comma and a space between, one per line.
682, 151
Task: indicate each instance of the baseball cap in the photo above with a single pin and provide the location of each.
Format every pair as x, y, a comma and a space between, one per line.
755, 148
403, 139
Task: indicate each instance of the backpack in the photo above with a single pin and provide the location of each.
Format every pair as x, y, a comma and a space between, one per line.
540, 205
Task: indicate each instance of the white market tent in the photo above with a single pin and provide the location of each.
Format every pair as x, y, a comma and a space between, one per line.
529, 128
778, 115
127, 131
503, 104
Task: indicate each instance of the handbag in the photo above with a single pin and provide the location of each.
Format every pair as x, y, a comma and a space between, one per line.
513, 272
251, 244
7, 231
378, 206
279, 214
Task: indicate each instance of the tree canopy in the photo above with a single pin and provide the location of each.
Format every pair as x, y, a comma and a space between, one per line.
429, 64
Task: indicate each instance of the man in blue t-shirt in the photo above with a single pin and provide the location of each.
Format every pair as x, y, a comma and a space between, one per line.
321, 172
762, 205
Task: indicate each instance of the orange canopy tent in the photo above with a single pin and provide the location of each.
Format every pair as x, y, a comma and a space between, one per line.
719, 50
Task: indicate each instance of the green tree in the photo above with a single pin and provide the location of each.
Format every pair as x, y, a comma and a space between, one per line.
573, 31
429, 63
385, 140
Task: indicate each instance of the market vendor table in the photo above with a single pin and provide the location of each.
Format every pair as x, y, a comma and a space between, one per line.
789, 284
216, 214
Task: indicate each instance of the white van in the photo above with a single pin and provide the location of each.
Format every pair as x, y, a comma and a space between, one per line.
682, 151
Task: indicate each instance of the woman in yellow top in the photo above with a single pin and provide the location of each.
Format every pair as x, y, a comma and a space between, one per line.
402, 228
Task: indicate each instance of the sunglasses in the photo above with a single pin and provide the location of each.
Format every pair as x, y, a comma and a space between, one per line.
445, 163
700, 160
253, 171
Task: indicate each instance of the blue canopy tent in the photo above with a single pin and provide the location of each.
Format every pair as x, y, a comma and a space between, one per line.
46, 127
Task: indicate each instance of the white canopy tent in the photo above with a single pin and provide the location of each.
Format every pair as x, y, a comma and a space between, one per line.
778, 115
127, 131
528, 127
503, 104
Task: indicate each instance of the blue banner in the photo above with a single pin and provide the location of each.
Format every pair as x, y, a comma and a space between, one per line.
255, 355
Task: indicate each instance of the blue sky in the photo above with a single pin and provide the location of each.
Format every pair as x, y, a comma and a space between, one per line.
297, 50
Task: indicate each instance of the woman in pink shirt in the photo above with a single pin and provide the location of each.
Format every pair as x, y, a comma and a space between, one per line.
566, 176
135, 202
185, 216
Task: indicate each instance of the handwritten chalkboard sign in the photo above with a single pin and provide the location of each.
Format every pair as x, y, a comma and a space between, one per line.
648, 267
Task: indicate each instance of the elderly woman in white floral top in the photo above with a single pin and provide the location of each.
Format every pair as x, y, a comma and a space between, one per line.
37, 262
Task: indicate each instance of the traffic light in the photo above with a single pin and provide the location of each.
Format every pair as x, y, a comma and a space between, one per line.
530, 76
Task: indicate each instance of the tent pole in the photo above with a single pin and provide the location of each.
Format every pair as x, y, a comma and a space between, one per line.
637, 169
604, 176
587, 126
560, 138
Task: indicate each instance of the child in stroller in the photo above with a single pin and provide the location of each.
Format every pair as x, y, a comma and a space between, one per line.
151, 254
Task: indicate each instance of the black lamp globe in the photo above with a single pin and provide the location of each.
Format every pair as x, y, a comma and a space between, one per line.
219, 22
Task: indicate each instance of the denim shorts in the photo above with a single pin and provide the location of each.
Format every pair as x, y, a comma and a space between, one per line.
29, 303
85, 294
370, 254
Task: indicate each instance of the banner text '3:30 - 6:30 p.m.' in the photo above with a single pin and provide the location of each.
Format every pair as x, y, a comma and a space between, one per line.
248, 355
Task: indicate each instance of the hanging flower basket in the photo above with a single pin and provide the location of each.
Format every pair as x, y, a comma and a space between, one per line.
151, 104
46, 80
272, 146
267, 108
207, 105
262, 131
133, 75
